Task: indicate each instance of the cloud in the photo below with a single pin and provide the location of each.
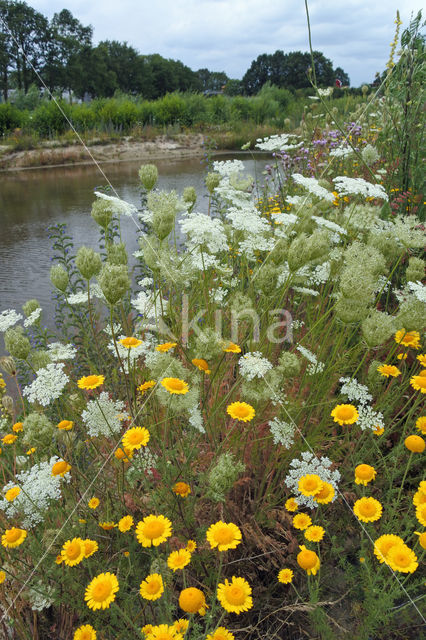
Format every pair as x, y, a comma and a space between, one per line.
227, 35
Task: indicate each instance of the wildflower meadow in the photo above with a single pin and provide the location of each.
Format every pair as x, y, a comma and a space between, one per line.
224, 438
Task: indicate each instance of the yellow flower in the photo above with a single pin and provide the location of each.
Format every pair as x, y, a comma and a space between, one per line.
301, 521
364, 474
285, 576
368, 509
153, 530
181, 489
12, 493
59, 559
291, 504
421, 424
147, 629
422, 359
164, 632
107, 526
30, 451
166, 346
421, 514
178, 559
326, 494
152, 587
82, 520
308, 560
223, 535
72, 551
90, 547
191, 545
241, 411
408, 338
90, 382
9, 438
93, 503
310, 485
13, 537
422, 538
175, 385
125, 524
417, 382
383, 544
135, 438
419, 498
181, 625
146, 385
17, 427
100, 592
85, 632
231, 347
126, 455
130, 342
387, 370
192, 600
345, 414
315, 533
378, 431
415, 444
220, 634
60, 468
235, 595
402, 356
2, 577
402, 558
201, 364
65, 425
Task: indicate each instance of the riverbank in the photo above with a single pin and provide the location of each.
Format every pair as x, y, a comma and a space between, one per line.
162, 147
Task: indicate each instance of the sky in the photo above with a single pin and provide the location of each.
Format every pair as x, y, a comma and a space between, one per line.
227, 35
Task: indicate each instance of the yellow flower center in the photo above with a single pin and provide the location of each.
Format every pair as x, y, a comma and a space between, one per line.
307, 559
153, 529
135, 437
59, 467
101, 590
73, 550
345, 413
367, 508
13, 535
90, 380
235, 595
153, 586
224, 535
176, 384
364, 471
401, 557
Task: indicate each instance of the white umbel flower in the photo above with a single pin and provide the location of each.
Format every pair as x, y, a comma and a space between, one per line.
355, 391
310, 464
196, 419
370, 419
279, 142
120, 207
282, 432
48, 385
103, 416
312, 185
254, 365
58, 351
358, 186
32, 318
9, 318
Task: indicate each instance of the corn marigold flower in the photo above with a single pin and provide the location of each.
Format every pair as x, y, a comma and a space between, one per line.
301, 521
364, 474
107, 526
90, 382
408, 338
422, 359
191, 545
368, 509
147, 629
135, 438
221, 633
9, 438
421, 513
291, 504
72, 551
378, 431
164, 632
235, 595
65, 425
383, 544
422, 538
152, 587
101, 591
241, 411
314, 533
145, 386
326, 494
93, 503
130, 342
175, 385
285, 576
402, 356
166, 346
90, 547
125, 454
402, 558
310, 484
181, 625
13, 537
181, 489
85, 632
192, 600
308, 560
223, 535
421, 424
2, 577
345, 414
60, 468
12, 493
231, 347
178, 559
419, 498
153, 530
125, 524
415, 444
201, 364
17, 427
419, 382
387, 370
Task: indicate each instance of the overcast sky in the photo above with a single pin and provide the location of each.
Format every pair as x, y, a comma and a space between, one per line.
227, 35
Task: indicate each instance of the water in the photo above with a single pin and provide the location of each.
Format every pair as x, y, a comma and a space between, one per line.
30, 201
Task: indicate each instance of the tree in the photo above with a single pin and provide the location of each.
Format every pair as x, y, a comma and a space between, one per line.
89, 73
122, 60
339, 74
212, 80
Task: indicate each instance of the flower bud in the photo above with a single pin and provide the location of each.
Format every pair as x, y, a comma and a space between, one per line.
212, 181
297, 254
30, 306
377, 328
8, 364
88, 262
148, 174
114, 281
117, 254
164, 207
102, 212
190, 197
415, 270
59, 277
289, 365
7, 402
350, 311
40, 359
17, 343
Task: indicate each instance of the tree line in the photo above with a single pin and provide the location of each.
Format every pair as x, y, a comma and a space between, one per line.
60, 53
